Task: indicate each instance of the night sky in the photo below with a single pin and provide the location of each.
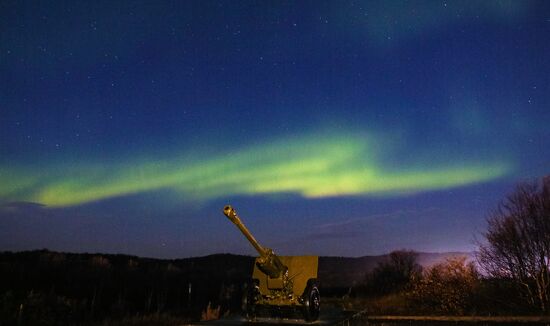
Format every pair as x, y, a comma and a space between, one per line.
333, 127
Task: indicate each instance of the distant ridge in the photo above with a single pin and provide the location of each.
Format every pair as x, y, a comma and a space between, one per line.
333, 271
344, 271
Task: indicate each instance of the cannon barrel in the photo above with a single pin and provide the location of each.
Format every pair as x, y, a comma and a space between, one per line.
233, 217
268, 262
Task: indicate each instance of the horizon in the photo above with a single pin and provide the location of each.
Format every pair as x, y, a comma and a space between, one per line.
334, 129
219, 254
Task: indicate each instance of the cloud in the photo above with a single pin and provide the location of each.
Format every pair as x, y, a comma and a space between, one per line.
356, 226
20, 207
313, 166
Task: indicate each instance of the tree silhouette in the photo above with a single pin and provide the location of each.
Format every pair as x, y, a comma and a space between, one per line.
517, 245
394, 273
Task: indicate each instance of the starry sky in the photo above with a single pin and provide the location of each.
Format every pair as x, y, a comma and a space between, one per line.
342, 128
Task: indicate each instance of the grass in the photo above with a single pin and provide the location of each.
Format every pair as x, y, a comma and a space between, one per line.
145, 320
392, 304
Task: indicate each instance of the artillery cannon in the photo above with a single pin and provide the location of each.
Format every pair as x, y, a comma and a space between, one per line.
279, 283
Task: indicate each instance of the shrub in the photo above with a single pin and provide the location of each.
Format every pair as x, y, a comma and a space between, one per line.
448, 287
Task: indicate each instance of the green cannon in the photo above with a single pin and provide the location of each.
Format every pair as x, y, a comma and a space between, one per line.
279, 283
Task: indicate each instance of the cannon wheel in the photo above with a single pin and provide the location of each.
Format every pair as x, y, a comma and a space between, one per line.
312, 301
248, 303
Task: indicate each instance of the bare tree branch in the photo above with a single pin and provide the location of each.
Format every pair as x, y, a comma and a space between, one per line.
517, 245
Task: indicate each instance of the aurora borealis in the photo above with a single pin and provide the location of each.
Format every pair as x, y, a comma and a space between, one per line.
349, 128
312, 168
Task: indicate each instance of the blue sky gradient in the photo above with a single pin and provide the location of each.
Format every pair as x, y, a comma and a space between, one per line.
335, 128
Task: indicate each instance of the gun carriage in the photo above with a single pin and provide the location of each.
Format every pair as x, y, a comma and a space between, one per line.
279, 283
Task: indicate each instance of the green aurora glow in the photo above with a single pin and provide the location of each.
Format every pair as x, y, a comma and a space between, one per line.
310, 166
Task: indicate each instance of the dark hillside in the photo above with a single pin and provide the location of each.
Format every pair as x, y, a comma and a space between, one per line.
77, 287
93, 286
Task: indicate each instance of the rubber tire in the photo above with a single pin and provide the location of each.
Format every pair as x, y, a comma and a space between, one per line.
312, 302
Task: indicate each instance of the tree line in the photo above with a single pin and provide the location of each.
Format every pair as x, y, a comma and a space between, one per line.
51, 288
509, 273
